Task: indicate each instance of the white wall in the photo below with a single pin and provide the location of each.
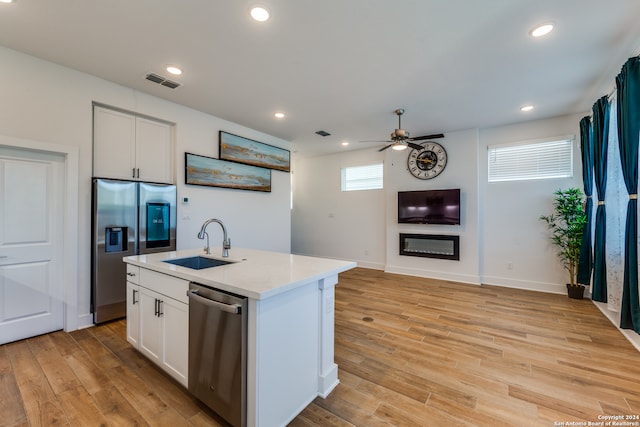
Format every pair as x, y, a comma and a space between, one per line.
327, 222
499, 221
46, 102
461, 172
516, 250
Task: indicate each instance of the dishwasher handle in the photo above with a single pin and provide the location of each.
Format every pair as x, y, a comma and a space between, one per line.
229, 308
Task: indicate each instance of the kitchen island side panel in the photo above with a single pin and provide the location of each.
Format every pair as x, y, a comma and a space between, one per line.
284, 351
328, 369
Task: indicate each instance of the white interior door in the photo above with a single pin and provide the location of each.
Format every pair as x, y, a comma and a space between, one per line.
31, 223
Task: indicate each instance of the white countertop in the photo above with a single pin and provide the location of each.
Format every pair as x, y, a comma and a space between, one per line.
253, 273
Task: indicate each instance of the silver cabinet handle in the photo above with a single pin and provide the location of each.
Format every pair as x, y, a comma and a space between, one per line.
229, 308
134, 297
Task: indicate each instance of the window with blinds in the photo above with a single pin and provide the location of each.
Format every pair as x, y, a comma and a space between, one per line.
369, 177
544, 159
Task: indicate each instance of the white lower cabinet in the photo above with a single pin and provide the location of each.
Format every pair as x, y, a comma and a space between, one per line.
133, 314
162, 321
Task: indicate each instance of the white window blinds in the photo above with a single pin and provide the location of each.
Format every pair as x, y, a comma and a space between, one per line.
531, 160
369, 177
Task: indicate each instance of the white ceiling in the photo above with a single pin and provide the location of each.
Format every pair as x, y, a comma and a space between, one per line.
342, 66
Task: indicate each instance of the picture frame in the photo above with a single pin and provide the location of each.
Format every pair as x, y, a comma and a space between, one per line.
212, 172
244, 150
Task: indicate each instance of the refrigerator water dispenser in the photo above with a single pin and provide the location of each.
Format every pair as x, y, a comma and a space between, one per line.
115, 239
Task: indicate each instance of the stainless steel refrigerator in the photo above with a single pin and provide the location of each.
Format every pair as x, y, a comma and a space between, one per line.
128, 218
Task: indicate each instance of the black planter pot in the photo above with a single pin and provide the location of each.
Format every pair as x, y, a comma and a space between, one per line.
575, 291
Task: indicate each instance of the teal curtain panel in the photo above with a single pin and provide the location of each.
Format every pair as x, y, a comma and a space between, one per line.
600, 129
628, 102
585, 262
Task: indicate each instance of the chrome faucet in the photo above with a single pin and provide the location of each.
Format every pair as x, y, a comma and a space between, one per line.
226, 242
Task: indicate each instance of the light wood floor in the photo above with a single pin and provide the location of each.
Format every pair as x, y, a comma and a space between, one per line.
411, 352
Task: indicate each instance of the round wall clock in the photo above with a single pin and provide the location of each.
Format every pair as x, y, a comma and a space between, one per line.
428, 162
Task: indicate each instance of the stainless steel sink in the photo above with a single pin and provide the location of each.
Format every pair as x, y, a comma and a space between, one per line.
198, 262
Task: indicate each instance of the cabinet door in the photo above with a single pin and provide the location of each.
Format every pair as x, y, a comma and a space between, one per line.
133, 314
114, 136
154, 159
175, 353
150, 342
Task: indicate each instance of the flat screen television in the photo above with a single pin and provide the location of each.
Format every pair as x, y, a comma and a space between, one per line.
429, 207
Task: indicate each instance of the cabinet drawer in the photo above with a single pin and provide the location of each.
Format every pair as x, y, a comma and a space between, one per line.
133, 274
166, 285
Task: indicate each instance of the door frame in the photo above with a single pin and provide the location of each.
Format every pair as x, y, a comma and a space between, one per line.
70, 219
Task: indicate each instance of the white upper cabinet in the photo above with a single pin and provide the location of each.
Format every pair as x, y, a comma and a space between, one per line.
153, 151
126, 146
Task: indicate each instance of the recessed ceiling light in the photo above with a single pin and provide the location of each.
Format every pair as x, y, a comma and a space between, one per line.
260, 13
174, 70
279, 115
345, 143
541, 30
7, 1
526, 108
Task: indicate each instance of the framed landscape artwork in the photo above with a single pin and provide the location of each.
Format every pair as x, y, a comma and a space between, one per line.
238, 149
207, 171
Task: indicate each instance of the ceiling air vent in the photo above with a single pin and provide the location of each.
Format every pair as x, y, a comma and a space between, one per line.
323, 133
152, 77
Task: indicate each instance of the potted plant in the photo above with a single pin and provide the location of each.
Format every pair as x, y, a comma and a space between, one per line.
566, 225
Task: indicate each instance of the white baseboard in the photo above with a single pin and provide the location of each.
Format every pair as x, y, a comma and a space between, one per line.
85, 321
614, 318
328, 381
371, 265
441, 275
552, 288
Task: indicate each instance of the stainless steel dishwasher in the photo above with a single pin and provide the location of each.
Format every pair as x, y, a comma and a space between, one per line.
218, 351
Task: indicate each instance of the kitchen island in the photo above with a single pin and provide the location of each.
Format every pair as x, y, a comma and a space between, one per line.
289, 329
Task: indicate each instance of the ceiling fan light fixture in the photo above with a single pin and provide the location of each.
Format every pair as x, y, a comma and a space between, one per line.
398, 146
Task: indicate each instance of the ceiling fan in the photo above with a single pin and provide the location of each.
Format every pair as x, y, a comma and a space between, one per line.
400, 138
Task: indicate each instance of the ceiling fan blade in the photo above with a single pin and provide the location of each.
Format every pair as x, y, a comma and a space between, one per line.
387, 146
415, 146
422, 138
